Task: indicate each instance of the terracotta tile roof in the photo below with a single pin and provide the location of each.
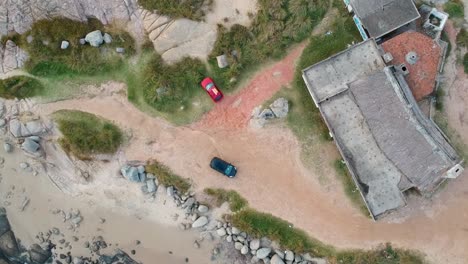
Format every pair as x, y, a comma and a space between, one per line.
422, 75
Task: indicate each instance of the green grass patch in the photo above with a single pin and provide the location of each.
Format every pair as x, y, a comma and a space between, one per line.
20, 87
462, 38
351, 191
179, 83
260, 225
181, 99
454, 8
192, 9
85, 134
166, 177
236, 202
385, 254
47, 59
266, 225
440, 118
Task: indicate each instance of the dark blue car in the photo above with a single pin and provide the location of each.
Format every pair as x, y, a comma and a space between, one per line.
223, 167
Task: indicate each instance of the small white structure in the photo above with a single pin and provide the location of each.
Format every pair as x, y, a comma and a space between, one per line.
436, 20
64, 44
222, 61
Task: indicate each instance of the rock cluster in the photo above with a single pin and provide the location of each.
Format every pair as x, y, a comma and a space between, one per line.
21, 129
278, 109
96, 38
138, 174
72, 217
261, 250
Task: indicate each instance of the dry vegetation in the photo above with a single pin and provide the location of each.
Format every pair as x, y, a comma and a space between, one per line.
85, 134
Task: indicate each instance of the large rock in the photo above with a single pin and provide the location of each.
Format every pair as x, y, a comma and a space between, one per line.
151, 185
263, 253
200, 222
202, 208
64, 44
94, 38
238, 245
30, 145
235, 230
280, 107
38, 254
188, 204
130, 173
222, 61
276, 260
254, 244
13, 57
107, 38
244, 250
221, 232
8, 244
289, 255
4, 225
31, 128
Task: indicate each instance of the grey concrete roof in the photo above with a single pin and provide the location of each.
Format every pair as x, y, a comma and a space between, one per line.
380, 17
336, 72
388, 145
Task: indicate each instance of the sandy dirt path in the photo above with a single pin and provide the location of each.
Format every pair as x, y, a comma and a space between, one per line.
234, 111
456, 89
273, 179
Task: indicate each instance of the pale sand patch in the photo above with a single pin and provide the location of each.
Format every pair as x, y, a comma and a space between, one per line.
236, 12
129, 216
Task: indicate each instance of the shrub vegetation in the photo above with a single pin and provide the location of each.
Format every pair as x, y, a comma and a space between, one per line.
277, 25
236, 202
350, 188
179, 83
462, 38
166, 177
48, 59
266, 225
454, 8
85, 134
20, 87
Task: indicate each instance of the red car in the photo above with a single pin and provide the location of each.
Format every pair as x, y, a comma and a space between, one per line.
209, 86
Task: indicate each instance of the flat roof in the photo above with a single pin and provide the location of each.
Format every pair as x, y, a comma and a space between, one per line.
384, 16
388, 145
332, 75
